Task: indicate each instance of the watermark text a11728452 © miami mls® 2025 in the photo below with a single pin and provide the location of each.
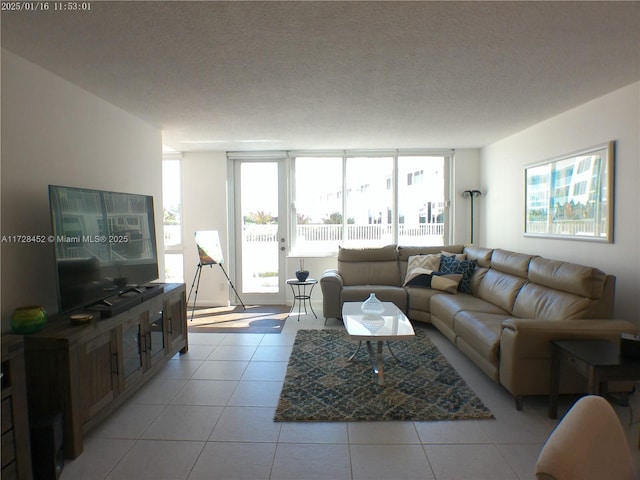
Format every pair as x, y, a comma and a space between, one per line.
64, 239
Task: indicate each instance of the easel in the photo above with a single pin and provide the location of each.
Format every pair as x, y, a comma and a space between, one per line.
210, 253
196, 283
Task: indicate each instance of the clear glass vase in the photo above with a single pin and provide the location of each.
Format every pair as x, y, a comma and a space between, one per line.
372, 306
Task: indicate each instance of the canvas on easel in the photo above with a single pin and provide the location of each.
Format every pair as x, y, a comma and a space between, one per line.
209, 249
210, 253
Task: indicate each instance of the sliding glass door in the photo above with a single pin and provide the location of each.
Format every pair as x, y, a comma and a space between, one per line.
260, 226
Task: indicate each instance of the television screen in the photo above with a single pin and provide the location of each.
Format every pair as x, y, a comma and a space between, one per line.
105, 244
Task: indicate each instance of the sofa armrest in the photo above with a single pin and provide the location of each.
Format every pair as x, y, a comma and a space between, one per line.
525, 348
332, 276
533, 336
331, 284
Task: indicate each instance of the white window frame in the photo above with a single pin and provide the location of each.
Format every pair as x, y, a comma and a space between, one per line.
176, 249
449, 157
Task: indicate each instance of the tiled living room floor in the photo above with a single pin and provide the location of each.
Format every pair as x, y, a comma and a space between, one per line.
209, 415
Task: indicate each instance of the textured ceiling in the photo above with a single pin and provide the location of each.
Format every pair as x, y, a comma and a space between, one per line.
308, 75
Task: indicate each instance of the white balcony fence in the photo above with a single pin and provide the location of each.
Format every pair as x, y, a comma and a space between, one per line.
315, 236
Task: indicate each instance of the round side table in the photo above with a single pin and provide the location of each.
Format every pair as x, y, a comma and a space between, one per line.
301, 295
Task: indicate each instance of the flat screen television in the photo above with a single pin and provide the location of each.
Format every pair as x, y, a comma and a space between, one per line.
105, 244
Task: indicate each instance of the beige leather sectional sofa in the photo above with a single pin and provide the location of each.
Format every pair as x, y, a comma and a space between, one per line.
516, 303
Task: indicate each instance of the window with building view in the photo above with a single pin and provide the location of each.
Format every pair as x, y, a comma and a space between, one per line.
369, 201
421, 212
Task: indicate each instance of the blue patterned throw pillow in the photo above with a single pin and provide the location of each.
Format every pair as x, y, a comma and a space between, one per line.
449, 265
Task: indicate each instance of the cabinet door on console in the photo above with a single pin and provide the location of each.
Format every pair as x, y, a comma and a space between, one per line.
155, 336
174, 313
133, 361
143, 342
98, 368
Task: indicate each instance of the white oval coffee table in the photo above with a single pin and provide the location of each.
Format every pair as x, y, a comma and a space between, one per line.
391, 325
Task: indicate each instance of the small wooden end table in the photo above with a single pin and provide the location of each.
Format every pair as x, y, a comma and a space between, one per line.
598, 360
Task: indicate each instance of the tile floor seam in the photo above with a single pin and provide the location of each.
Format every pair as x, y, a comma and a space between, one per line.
433, 472
230, 397
351, 462
204, 444
273, 459
506, 460
141, 436
133, 444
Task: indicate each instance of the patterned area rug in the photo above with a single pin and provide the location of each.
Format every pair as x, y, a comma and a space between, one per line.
321, 385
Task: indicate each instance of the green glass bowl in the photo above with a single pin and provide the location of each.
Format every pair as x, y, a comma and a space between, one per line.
29, 319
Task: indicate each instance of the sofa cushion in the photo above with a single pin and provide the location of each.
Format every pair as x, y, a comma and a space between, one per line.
404, 252
511, 262
457, 256
536, 301
567, 277
369, 266
481, 331
446, 307
499, 288
482, 256
418, 298
380, 254
384, 293
449, 265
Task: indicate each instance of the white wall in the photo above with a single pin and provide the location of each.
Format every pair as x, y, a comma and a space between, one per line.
615, 116
56, 133
466, 177
204, 207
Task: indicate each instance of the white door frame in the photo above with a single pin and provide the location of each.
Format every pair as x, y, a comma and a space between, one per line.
236, 224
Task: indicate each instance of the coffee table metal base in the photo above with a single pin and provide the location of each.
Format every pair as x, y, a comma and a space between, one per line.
390, 325
376, 358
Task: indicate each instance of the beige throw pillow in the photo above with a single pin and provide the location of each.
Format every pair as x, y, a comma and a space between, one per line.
421, 264
436, 280
446, 283
457, 256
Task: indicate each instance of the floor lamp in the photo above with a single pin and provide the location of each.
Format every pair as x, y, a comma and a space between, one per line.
471, 194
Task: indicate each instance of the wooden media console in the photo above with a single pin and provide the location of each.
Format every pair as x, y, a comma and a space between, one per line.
86, 371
